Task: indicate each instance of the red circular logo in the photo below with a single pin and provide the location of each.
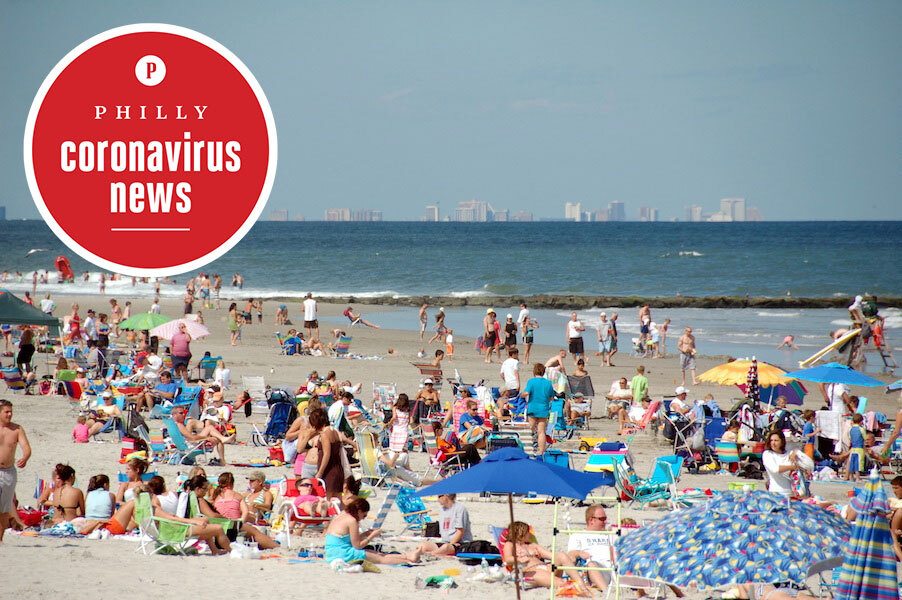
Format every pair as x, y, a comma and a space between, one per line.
150, 150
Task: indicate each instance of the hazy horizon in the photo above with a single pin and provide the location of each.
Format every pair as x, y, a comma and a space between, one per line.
529, 105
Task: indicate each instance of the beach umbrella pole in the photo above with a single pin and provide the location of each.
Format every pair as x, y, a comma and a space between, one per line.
510, 506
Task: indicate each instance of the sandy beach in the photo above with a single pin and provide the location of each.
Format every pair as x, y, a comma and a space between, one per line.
111, 568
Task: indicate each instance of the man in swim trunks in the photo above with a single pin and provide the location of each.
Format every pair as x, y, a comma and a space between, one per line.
311, 324
574, 331
424, 319
11, 435
686, 346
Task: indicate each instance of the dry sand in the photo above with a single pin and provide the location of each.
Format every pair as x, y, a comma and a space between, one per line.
44, 567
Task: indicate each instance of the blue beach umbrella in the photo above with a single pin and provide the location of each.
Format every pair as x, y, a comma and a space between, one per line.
756, 537
869, 565
510, 471
835, 373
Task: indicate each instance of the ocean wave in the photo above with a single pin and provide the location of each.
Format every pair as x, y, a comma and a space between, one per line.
690, 253
468, 294
774, 314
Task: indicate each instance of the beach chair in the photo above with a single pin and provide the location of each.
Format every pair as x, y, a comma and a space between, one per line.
430, 371
650, 419
660, 486
819, 569
158, 533
624, 584
342, 347
183, 452
413, 510
206, 366
443, 464
15, 383
256, 387
369, 459
194, 512
557, 422
384, 397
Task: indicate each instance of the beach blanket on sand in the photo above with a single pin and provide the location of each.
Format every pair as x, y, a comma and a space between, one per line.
61, 530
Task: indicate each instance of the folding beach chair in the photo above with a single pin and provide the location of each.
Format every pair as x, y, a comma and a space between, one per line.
385, 507
819, 569
12, 376
159, 533
183, 452
384, 397
256, 387
206, 366
443, 464
413, 510
369, 459
430, 371
650, 588
342, 347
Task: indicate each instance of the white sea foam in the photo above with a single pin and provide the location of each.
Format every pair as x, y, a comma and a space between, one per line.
690, 253
778, 314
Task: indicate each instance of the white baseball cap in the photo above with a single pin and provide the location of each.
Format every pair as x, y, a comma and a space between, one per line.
427, 381
681, 390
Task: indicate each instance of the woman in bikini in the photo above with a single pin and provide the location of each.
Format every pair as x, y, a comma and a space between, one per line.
259, 500
66, 501
534, 561
134, 470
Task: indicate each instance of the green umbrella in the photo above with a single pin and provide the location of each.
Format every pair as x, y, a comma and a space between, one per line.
144, 321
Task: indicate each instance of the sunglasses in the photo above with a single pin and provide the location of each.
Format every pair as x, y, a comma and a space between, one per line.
305, 485
602, 519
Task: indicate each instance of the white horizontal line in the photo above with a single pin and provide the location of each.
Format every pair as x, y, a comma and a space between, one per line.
150, 229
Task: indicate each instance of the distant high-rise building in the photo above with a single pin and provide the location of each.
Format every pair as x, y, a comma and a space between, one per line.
648, 214
573, 211
501, 216
616, 211
473, 211
2, 213
753, 214
522, 216
601, 216
732, 209
278, 215
432, 214
338, 214
694, 214
367, 215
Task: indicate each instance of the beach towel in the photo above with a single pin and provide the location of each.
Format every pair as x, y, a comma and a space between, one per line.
829, 423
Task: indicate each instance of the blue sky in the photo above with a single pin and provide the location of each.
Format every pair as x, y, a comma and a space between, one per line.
528, 105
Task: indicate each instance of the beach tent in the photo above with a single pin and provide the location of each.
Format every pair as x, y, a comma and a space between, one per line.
18, 312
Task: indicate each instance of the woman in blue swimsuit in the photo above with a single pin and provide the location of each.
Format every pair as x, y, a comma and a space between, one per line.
344, 540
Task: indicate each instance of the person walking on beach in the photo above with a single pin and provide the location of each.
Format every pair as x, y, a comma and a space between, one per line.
644, 323
217, 288
489, 336
424, 319
11, 435
529, 336
523, 320
605, 335
662, 345
48, 305
188, 300
574, 330
311, 324
613, 339
686, 346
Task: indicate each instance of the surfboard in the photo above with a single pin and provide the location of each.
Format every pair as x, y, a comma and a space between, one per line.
836, 344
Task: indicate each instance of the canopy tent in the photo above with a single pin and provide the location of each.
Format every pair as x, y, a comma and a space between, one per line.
18, 312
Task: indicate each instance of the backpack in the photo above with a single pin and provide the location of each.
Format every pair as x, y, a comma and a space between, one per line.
479, 547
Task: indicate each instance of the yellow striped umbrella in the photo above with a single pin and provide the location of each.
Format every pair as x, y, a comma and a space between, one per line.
737, 372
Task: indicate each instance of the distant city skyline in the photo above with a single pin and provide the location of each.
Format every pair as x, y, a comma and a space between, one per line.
527, 106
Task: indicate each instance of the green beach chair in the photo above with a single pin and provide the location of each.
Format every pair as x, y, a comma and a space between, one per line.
162, 534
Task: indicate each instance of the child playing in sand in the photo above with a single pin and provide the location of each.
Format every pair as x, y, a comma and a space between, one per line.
307, 501
81, 433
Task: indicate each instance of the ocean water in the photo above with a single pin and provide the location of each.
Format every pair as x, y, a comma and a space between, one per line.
469, 260
463, 259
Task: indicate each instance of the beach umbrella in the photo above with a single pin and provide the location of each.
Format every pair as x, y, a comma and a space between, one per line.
869, 565
143, 321
170, 328
794, 392
736, 372
510, 471
835, 373
755, 537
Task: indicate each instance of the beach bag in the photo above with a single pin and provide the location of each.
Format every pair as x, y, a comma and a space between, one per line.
697, 439
479, 547
289, 450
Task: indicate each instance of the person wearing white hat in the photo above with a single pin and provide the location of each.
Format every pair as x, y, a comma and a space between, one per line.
679, 405
510, 332
605, 339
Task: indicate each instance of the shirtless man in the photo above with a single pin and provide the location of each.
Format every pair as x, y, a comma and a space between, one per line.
686, 346
206, 434
11, 435
424, 319
489, 336
557, 361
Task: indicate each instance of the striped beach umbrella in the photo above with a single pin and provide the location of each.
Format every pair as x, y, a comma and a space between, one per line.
869, 565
